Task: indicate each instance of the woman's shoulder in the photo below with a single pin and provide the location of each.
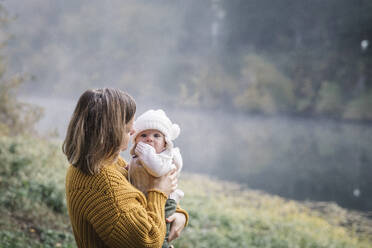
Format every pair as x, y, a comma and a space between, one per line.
109, 176
121, 162
76, 180
116, 172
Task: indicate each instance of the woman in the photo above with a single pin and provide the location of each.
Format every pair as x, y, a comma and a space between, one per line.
104, 208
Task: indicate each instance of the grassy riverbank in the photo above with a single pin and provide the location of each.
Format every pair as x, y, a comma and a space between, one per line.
222, 214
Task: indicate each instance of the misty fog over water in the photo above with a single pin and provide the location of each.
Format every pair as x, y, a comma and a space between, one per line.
199, 62
281, 155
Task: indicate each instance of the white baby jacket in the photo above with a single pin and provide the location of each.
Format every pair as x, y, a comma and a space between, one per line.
151, 164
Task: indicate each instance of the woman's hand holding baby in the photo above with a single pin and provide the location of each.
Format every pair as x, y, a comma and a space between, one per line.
167, 183
178, 221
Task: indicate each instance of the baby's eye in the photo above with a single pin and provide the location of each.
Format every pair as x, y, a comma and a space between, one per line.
143, 135
157, 135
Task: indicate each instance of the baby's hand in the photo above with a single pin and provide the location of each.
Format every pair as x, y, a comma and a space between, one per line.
152, 163
144, 150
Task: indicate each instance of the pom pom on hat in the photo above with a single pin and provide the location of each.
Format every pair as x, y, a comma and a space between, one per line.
175, 131
158, 120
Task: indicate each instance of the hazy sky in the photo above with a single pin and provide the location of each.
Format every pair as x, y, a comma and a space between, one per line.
100, 43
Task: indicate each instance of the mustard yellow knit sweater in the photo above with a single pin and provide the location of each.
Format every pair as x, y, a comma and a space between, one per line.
107, 211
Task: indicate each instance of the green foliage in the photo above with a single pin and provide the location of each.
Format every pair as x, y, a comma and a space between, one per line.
210, 87
306, 41
15, 117
12, 239
225, 215
46, 239
16, 165
32, 194
269, 57
260, 88
221, 214
264, 88
360, 107
330, 100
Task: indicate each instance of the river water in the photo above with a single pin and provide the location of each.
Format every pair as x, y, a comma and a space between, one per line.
303, 159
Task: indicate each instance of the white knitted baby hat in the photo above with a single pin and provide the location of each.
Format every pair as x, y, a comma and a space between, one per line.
158, 120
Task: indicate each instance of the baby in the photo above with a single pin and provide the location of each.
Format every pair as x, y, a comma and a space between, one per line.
153, 154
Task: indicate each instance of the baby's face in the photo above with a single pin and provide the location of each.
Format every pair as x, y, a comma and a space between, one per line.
153, 138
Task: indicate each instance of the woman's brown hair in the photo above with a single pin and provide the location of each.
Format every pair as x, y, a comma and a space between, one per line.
97, 128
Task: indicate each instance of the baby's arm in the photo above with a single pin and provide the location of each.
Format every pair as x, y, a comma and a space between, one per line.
177, 158
157, 165
178, 194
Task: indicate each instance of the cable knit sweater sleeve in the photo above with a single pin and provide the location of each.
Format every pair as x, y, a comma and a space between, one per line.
107, 211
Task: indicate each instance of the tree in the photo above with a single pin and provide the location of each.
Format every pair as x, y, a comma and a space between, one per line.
311, 42
15, 117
